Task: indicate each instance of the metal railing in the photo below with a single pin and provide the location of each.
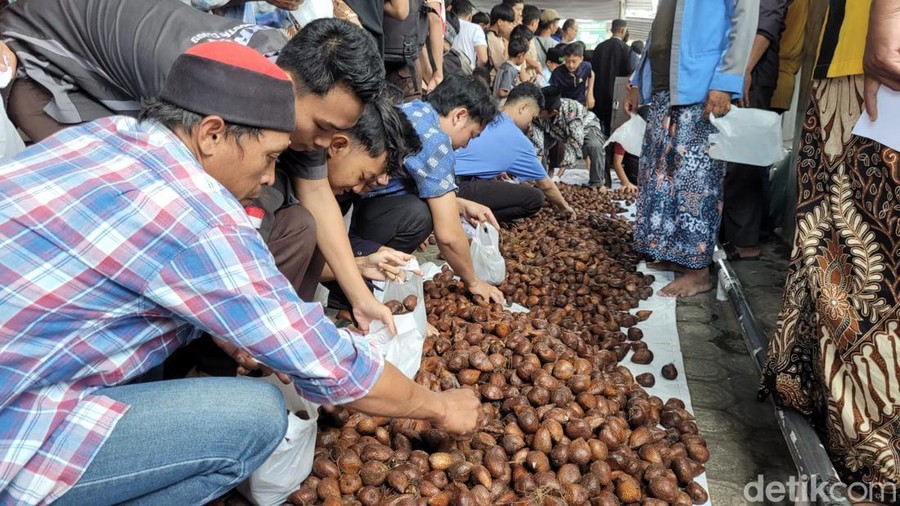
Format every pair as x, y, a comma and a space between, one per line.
809, 455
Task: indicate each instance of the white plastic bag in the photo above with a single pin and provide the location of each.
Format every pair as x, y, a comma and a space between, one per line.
310, 10
486, 258
291, 462
750, 136
10, 140
405, 349
630, 135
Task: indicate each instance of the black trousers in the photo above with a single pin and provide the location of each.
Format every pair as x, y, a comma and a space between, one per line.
507, 201
402, 222
746, 192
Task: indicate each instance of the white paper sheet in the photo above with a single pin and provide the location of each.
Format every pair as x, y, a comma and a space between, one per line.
661, 336
884, 129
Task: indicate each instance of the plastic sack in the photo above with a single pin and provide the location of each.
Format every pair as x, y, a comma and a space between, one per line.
10, 140
750, 136
405, 349
486, 258
291, 462
630, 135
311, 10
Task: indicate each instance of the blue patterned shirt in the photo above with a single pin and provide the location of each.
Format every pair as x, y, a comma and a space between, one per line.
431, 172
260, 13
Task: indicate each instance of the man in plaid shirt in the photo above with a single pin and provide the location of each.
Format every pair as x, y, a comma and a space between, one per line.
123, 239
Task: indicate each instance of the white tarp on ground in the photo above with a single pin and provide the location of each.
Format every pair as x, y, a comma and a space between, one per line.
660, 330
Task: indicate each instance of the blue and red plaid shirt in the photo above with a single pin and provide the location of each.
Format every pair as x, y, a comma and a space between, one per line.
116, 248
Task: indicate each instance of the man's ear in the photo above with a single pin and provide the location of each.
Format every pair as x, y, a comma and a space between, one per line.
340, 144
460, 116
523, 107
210, 135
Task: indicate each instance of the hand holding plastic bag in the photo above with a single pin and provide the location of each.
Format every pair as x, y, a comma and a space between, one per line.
630, 135
486, 258
405, 349
291, 462
750, 136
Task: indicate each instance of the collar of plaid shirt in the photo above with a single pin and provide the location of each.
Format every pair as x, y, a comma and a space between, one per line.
116, 248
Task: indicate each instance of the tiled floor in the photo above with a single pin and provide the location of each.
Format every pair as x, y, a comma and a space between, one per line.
743, 437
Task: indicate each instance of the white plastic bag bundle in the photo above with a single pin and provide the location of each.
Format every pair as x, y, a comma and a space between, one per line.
311, 10
486, 258
291, 462
750, 136
405, 349
630, 135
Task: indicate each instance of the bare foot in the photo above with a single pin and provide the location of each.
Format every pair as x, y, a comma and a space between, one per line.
665, 266
692, 282
751, 252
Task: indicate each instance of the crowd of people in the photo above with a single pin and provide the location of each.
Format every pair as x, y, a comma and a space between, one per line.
191, 164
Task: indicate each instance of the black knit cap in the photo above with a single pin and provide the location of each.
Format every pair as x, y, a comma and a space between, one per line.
235, 82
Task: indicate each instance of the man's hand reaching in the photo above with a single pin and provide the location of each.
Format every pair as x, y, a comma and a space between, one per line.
476, 213
486, 291
385, 264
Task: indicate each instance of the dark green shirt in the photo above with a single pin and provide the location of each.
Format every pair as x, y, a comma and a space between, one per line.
660, 50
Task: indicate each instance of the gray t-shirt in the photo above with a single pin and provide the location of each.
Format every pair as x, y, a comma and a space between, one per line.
543, 44
102, 57
507, 78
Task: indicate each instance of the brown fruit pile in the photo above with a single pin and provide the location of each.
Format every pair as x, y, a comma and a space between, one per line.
562, 421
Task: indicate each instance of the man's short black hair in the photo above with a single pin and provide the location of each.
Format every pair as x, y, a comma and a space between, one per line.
526, 91
637, 47
513, 3
618, 24
481, 18
383, 127
555, 54
552, 98
530, 14
568, 24
463, 8
517, 46
464, 91
521, 32
502, 12
331, 52
574, 49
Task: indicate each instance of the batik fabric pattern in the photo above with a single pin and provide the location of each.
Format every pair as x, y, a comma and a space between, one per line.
835, 355
679, 203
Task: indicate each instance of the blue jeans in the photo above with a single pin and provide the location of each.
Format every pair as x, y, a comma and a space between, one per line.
184, 441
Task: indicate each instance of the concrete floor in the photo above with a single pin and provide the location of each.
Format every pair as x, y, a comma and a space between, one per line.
744, 440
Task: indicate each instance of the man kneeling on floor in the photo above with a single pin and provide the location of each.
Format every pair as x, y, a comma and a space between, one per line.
577, 128
403, 214
503, 148
123, 239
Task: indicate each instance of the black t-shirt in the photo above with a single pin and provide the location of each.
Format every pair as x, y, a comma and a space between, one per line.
612, 58
303, 164
371, 16
102, 57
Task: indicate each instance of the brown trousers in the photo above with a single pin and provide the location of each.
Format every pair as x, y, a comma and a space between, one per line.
293, 244
406, 78
25, 107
